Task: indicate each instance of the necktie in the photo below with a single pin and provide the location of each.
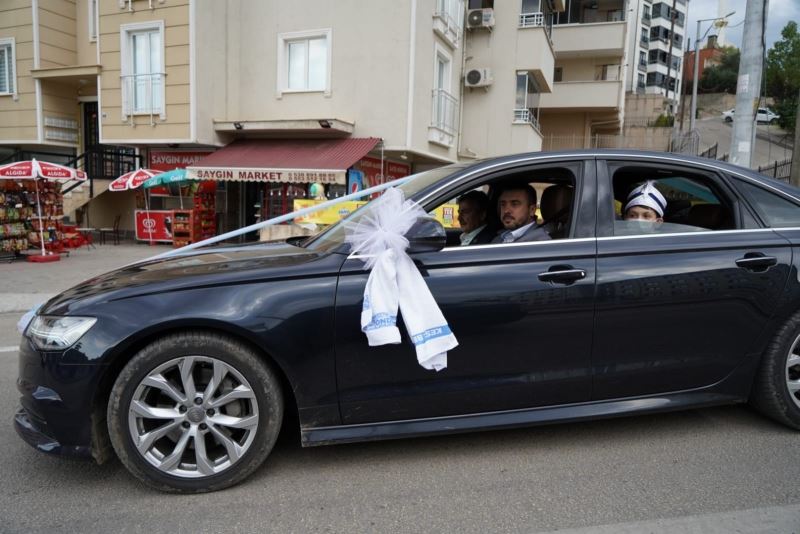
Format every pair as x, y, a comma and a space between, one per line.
508, 237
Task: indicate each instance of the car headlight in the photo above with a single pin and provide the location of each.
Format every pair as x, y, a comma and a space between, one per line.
57, 333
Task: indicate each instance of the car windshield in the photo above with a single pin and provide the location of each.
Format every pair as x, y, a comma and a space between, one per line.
334, 236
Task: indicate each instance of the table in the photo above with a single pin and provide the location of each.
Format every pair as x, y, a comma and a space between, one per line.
87, 236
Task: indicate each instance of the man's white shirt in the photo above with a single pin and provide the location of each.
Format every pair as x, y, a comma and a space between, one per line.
467, 237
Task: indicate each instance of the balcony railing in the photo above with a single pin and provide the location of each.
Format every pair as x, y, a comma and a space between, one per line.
447, 21
530, 20
646, 19
528, 116
444, 111
143, 94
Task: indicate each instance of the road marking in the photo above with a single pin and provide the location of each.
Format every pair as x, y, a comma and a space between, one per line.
12, 348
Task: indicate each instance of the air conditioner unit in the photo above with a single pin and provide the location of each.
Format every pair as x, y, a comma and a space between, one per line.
478, 78
480, 18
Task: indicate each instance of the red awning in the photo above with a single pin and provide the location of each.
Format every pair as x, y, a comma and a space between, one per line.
285, 160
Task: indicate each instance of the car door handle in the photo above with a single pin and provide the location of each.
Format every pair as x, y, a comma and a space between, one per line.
562, 274
755, 261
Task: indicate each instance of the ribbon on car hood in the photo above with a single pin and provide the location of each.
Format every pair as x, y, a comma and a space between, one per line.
378, 238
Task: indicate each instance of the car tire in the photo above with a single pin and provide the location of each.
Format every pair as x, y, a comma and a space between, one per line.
773, 121
776, 391
175, 431
728, 119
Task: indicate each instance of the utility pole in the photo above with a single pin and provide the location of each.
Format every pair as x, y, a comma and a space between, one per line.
748, 85
795, 176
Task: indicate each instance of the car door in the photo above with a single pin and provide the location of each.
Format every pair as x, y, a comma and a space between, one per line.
677, 311
524, 333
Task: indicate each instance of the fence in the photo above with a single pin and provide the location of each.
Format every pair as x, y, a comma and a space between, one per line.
780, 170
710, 152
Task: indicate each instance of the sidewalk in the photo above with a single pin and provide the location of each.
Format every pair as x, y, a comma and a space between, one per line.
24, 284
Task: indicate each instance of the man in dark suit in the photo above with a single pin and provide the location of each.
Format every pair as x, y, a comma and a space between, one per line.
473, 211
517, 210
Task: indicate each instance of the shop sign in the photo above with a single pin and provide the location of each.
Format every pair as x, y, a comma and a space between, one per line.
153, 225
447, 214
287, 176
163, 160
374, 175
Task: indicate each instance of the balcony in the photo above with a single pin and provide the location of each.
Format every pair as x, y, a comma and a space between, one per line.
583, 96
646, 20
584, 40
535, 55
443, 120
447, 22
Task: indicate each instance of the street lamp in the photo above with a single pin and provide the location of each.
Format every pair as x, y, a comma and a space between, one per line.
697, 66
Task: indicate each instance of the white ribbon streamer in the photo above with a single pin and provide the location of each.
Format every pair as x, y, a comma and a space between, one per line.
378, 238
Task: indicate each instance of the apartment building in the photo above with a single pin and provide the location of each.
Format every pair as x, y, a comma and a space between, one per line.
656, 47
411, 85
588, 96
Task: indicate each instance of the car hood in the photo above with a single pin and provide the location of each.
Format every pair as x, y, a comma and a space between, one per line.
209, 268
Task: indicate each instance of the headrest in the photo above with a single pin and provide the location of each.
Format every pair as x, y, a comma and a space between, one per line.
555, 199
649, 196
705, 216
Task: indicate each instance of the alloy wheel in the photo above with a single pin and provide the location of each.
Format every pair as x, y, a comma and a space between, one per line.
793, 372
193, 417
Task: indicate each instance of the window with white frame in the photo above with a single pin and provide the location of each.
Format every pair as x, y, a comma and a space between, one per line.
92, 20
7, 62
526, 106
304, 61
444, 103
142, 46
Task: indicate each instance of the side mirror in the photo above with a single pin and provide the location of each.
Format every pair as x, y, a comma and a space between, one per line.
426, 235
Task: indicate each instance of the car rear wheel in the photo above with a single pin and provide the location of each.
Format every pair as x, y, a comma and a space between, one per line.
194, 412
776, 392
728, 119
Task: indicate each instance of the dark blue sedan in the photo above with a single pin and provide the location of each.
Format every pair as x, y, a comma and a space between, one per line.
186, 367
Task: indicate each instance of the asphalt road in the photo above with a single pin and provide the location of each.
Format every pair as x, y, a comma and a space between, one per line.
715, 130
715, 470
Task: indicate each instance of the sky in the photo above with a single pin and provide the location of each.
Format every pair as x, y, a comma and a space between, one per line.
780, 12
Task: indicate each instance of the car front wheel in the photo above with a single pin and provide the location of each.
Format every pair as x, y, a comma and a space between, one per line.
776, 392
728, 119
194, 412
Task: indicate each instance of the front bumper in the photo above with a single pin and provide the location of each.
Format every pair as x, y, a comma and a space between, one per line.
34, 436
56, 402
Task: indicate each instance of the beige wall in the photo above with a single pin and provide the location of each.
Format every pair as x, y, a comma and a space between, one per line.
57, 33
86, 49
565, 130
106, 206
176, 125
585, 69
369, 70
488, 128
18, 112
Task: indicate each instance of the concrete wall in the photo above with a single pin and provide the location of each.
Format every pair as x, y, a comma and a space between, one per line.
18, 112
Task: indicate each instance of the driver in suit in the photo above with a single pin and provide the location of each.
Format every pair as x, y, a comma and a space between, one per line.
517, 210
473, 212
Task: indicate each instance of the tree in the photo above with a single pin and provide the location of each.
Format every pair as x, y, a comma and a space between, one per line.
721, 78
783, 75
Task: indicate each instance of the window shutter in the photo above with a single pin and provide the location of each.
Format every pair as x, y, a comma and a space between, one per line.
4, 77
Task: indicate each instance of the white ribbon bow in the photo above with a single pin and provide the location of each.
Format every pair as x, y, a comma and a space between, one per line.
394, 281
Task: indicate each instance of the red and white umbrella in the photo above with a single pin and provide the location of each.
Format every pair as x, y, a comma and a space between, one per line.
132, 180
36, 170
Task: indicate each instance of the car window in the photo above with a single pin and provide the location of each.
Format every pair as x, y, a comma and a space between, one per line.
474, 217
656, 200
775, 210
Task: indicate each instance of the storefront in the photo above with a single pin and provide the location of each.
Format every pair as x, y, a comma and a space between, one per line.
264, 178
